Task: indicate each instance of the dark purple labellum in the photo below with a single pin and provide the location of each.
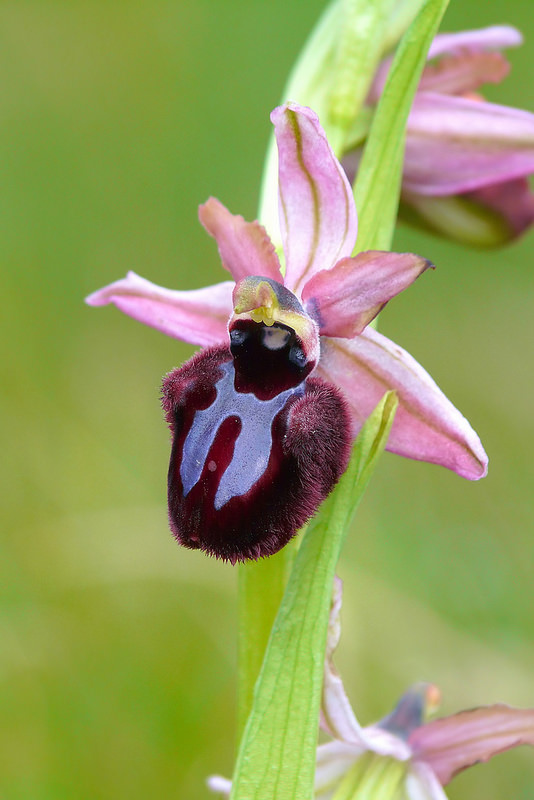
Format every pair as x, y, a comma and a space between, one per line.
250, 463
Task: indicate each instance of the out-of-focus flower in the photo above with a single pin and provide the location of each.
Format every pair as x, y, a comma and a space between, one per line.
467, 161
403, 756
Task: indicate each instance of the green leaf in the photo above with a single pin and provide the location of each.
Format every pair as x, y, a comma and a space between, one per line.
276, 760
377, 187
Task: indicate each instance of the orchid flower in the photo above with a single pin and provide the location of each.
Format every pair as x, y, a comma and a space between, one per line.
406, 756
265, 332
467, 161
403, 756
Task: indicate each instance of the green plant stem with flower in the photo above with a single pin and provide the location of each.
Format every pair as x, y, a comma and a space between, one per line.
337, 285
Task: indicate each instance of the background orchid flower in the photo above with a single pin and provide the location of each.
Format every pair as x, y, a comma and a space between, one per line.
339, 293
402, 754
466, 160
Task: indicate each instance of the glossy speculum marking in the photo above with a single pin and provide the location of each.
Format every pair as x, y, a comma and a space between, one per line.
251, 448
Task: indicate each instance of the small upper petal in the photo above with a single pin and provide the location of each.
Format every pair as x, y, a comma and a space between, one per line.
199, 316
245, 247
347, 297
451, 744
317, 213
427, 426
456, 145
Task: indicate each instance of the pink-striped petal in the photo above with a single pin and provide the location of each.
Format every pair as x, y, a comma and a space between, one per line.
451, 744
199, 316
457, 145
427, 426
245, 247
317, 213
347, 297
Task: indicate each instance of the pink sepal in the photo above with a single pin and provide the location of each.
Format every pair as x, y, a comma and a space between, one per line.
318, 219
451, 744
347, 297
199, 316
245, 247
427, 426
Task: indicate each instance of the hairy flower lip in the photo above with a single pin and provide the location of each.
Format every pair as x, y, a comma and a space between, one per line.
339, 292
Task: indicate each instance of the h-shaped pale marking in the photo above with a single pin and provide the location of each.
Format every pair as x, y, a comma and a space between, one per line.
253, 445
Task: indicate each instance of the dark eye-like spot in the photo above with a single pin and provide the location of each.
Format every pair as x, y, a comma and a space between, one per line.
238, 336
297, 356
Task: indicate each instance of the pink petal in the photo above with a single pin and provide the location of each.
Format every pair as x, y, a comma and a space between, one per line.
347, 297
245, 247
456, 145
199, 316
427, 426
317, 212
451, 744
495, 37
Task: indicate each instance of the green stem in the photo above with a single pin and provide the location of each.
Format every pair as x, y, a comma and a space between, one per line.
261, 588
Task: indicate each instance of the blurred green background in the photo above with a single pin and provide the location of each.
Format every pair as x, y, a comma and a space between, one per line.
117, 648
